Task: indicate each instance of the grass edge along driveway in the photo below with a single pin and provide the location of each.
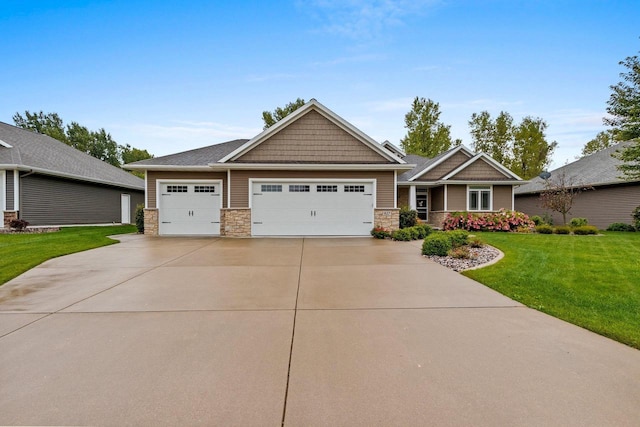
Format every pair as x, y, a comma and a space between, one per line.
590, 281
21, 252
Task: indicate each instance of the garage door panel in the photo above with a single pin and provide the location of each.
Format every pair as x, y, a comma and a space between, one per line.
188, 208
318, 208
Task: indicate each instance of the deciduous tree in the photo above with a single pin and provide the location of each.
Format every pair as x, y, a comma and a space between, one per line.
531, 150
494, 137
426, 135
271, 118
604, 139
559, 194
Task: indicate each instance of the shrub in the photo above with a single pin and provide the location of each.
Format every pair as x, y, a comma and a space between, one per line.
537, 220
502, 220
461, 252
475, 242
458, 237
414, 233
544, 229
426, 229
404, 235
408, 217
140, 218
18, 224
620, 226
578, 222
436, 244
636, 217
585, 229
380, 233
547, 219
562, 229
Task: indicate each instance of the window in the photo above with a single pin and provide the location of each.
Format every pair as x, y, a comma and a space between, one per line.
271, 188
204, 189
298, 189
327, 189
354, 188
176, 188
479, 198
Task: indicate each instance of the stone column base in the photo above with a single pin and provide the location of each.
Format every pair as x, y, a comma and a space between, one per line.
8, 217
386, 218
436, 218
151, 222
235, 222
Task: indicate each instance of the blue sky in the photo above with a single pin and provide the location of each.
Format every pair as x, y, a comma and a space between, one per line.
169, 76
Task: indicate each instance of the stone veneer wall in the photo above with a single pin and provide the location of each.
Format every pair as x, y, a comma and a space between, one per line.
151, 222
235, 222
387, 218
8, 217
437, 218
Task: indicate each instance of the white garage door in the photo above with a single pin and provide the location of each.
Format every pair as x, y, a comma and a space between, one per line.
312, 208
190, 208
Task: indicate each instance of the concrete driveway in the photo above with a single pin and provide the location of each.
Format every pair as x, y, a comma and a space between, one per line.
173, 331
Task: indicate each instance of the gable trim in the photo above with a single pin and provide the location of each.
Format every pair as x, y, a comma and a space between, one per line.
325, 112
486, 157
4, 144
443, 159
310, 166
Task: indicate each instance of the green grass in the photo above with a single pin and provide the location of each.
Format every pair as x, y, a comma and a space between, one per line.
590, 281
21, 252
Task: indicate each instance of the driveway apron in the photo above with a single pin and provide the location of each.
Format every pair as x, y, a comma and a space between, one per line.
296, 332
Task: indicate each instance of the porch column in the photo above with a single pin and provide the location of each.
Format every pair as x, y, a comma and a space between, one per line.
412, 197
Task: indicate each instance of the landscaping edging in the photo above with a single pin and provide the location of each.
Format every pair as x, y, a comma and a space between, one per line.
35, 230
483, 257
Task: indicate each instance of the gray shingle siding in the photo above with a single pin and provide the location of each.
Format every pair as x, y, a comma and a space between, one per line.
55, 201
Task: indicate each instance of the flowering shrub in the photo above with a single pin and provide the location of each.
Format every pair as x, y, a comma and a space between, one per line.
380, 232
502, 220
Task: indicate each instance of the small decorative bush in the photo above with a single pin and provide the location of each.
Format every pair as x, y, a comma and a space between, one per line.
458, 237
547, 219
415, 233
18, 224
636, 217
578, 222
562, 229
403, 235
140, 218
461, 252
537, 220
425, 229
585, 229
544, 229
620, 226
475, 242
436, 244
380, 233
408, 217
502, 220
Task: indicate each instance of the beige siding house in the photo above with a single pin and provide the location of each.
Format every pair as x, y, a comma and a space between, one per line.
312, 174
611, 199
457, 180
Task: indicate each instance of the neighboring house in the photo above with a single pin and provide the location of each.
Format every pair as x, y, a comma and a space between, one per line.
456, 180
611, 200
47, 182
312, 173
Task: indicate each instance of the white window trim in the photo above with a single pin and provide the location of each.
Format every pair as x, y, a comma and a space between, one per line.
373, 183
490, 187
16, 190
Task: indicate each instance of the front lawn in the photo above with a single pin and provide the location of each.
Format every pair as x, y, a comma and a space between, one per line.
591, 281
21, 252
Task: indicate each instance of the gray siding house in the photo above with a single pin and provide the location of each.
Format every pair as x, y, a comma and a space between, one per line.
46, 182
611, 200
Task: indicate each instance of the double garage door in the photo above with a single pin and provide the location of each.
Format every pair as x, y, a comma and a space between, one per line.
315, 208
190, 208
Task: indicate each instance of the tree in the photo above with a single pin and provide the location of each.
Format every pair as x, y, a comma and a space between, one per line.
604, 139
531, 151
130, 154
271, 118
624, 110
494, 137
98, 144
426, 135
559, 193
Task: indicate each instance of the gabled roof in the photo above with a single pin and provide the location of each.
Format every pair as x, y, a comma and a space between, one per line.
197, 158
395, 150
597, 169
487, 158
429, 163
312, 105
27, 150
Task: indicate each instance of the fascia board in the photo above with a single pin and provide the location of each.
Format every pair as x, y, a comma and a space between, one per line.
451, 153
5, 145
25, 168
195, 168
481, 182
312, 104
309, 166
476, 158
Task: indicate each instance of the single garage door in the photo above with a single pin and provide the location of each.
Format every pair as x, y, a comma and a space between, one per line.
312, 208
190, 208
